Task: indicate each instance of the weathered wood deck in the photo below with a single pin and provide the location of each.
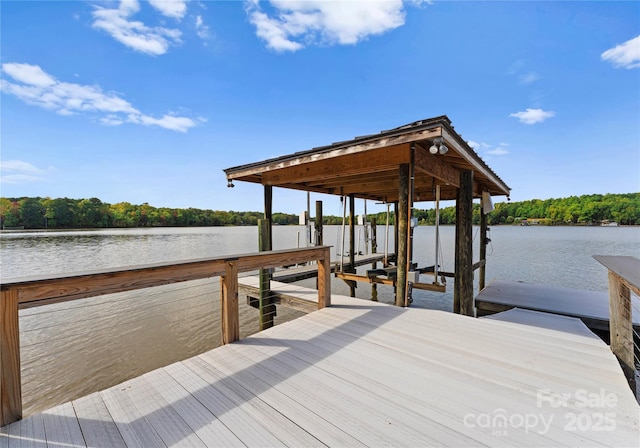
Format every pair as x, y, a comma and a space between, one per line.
287, 294
592, 307
310, 271
361, 373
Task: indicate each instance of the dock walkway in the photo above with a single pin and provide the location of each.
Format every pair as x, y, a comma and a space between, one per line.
592, 307
361, 373
291, 275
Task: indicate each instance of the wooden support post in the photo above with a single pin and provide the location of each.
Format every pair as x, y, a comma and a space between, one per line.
229, 303
324, 279
463, 287
395, 229
402, 226
10, 381
374, 250
319, 238
620, 325
483, 249
268, 211
352, 244
624, 277
265, 304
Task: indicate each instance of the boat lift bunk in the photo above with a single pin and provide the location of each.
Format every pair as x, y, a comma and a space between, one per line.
388, 274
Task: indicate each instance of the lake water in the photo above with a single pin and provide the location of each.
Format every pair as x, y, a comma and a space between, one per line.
75, 348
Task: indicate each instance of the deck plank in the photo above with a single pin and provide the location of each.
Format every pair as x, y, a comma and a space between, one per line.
167, 423
24, 433
292, 407
61, 426
231, 416
282, 428
203, 423
136, 431
96, 423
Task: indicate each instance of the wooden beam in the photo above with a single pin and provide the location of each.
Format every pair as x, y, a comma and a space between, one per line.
402, 224
230, 320
436, 166
463, 285
10, 380
384, 143
314, 169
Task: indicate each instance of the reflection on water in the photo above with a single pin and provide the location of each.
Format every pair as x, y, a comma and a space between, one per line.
74, 348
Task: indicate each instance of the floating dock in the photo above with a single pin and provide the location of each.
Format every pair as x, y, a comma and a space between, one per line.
360, 373
592, 307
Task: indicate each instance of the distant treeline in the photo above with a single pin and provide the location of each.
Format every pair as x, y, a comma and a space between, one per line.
65, 213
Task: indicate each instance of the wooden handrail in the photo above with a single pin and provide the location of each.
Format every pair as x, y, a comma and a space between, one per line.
25, 292
624, 276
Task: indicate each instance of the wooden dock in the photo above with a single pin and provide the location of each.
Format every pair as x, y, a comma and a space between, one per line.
360, 373
296, 274
292, 296
592, 307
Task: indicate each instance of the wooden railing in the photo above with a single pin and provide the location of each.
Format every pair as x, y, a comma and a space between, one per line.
624, 277
37, 291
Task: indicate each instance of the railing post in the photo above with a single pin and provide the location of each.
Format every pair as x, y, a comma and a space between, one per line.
10, 382
324, 279
229, 303
620, 323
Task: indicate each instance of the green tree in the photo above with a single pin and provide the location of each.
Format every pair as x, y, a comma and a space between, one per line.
32, 213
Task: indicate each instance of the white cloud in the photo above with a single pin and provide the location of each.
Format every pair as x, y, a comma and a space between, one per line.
499, 151
202, 30
175, 9
69, 98
134, 34
18, 171
488, 149
528, 78
297, 23
625, 55
533, 116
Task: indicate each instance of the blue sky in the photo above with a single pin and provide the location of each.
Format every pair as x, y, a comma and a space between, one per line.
148, 101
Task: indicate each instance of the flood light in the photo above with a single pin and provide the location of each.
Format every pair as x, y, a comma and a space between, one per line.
443, 149
433, 149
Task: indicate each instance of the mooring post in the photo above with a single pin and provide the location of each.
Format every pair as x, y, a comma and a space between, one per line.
483, 249
395, 229
265, 304
229, 303
402, 226
463, 286
10, 380
319, 238
374, 250
352, 244
324, 279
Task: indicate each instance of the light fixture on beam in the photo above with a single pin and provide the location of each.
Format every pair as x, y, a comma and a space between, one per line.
438, 146
230, 184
